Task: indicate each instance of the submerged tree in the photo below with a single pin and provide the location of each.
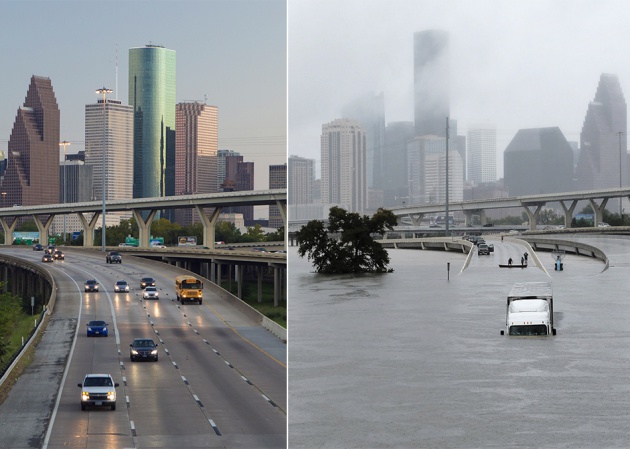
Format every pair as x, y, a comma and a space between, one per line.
347, 245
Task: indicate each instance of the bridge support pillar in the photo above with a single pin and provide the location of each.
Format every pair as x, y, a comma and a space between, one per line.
598, 210
144, 227
88, 228
276, 285
208, 225
533, 216
8, 230
239, 280
213, 268
568, 213
219, 269
259, 275
43, 227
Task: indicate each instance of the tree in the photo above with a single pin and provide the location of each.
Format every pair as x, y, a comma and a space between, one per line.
347, 245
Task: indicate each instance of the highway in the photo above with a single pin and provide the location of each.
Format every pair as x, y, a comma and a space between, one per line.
220, 380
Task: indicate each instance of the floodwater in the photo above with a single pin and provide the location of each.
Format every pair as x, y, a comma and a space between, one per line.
413, 359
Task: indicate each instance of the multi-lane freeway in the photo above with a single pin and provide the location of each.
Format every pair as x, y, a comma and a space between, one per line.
220, 380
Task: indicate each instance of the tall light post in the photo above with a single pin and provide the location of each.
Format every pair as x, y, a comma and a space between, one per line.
64, 143
104, 91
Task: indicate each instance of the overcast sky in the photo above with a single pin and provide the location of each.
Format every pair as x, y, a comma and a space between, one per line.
516, 64
231, 52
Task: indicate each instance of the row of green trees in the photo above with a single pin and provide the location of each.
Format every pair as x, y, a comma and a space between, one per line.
224, 231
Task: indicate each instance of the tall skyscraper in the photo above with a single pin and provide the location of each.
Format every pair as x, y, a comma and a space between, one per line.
300, 177
244, 182
343, 150
152, 96
369, 111
431, 83
33, 149
538, 160
603, 141
482, 154
196, 146
117, 119
395, 176
277, 180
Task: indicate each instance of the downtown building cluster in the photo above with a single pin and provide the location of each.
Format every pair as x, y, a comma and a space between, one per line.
149, 147
367, 163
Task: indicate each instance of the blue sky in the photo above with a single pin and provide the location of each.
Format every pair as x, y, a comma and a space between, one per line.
232, 53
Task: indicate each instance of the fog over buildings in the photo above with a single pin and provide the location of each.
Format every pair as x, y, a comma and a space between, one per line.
489, 62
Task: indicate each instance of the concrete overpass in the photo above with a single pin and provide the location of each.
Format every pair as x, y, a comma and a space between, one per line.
532, 204
43, 215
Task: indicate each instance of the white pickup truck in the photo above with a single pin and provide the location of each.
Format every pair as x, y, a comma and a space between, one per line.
98, 390
530, 309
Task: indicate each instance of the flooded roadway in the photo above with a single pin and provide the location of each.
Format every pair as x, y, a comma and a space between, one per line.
413, 360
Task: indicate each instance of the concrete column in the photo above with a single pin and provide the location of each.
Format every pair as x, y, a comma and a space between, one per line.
259, 274
43, 227
533, 216
219, 270
568, 212
144, 227
8, 229
239, 280
213, 267
88, 228
598, 210
209, 224
276, 286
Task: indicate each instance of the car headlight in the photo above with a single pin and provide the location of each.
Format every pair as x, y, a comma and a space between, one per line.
134, 352
111, 395
90, 329
85, 396
154, 352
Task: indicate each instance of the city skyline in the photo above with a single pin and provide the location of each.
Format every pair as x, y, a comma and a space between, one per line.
516, 65
230, 54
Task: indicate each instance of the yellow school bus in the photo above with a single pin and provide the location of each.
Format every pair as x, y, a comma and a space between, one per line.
188, 288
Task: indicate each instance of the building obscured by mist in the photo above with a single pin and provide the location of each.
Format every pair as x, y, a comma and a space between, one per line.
538, 160
431, 82
343, 179
603, 141
395, 176
369, 111
482, 154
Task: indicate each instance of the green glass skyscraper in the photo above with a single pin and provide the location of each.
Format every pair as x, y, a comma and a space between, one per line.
152, 95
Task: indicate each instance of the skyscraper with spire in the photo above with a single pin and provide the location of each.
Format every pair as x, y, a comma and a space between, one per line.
32, 171
603, 141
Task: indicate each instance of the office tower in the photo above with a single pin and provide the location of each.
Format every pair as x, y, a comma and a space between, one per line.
277, 180
538, 160
369, 111
227, 163
482, 154
603, 141
117, 119
245, 182
343, 150
196, 146
395, 177
152, 96
33, 149
77, 177
431, 82
301, 190
426, 171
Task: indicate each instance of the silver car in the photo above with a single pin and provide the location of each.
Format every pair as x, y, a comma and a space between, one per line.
121, 287
150, 293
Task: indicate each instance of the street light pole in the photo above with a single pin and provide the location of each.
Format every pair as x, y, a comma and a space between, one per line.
64, 143
104, 91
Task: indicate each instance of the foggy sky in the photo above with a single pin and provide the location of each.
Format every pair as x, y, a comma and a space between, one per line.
232, 52
516, 64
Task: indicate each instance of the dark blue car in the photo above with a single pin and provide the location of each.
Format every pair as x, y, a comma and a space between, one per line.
97, 328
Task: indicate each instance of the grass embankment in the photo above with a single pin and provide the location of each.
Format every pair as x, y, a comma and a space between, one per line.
266, 307
23, 329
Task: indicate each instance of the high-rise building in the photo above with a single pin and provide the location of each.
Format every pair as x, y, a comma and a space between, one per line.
244, 182
603, 141
538, 160
343, 150
196, 146
395, 176
76, 176
152, 96
300, 177
33, 149
112, 121
227, 168
431, 82
369, 111
277, 180
482, 154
